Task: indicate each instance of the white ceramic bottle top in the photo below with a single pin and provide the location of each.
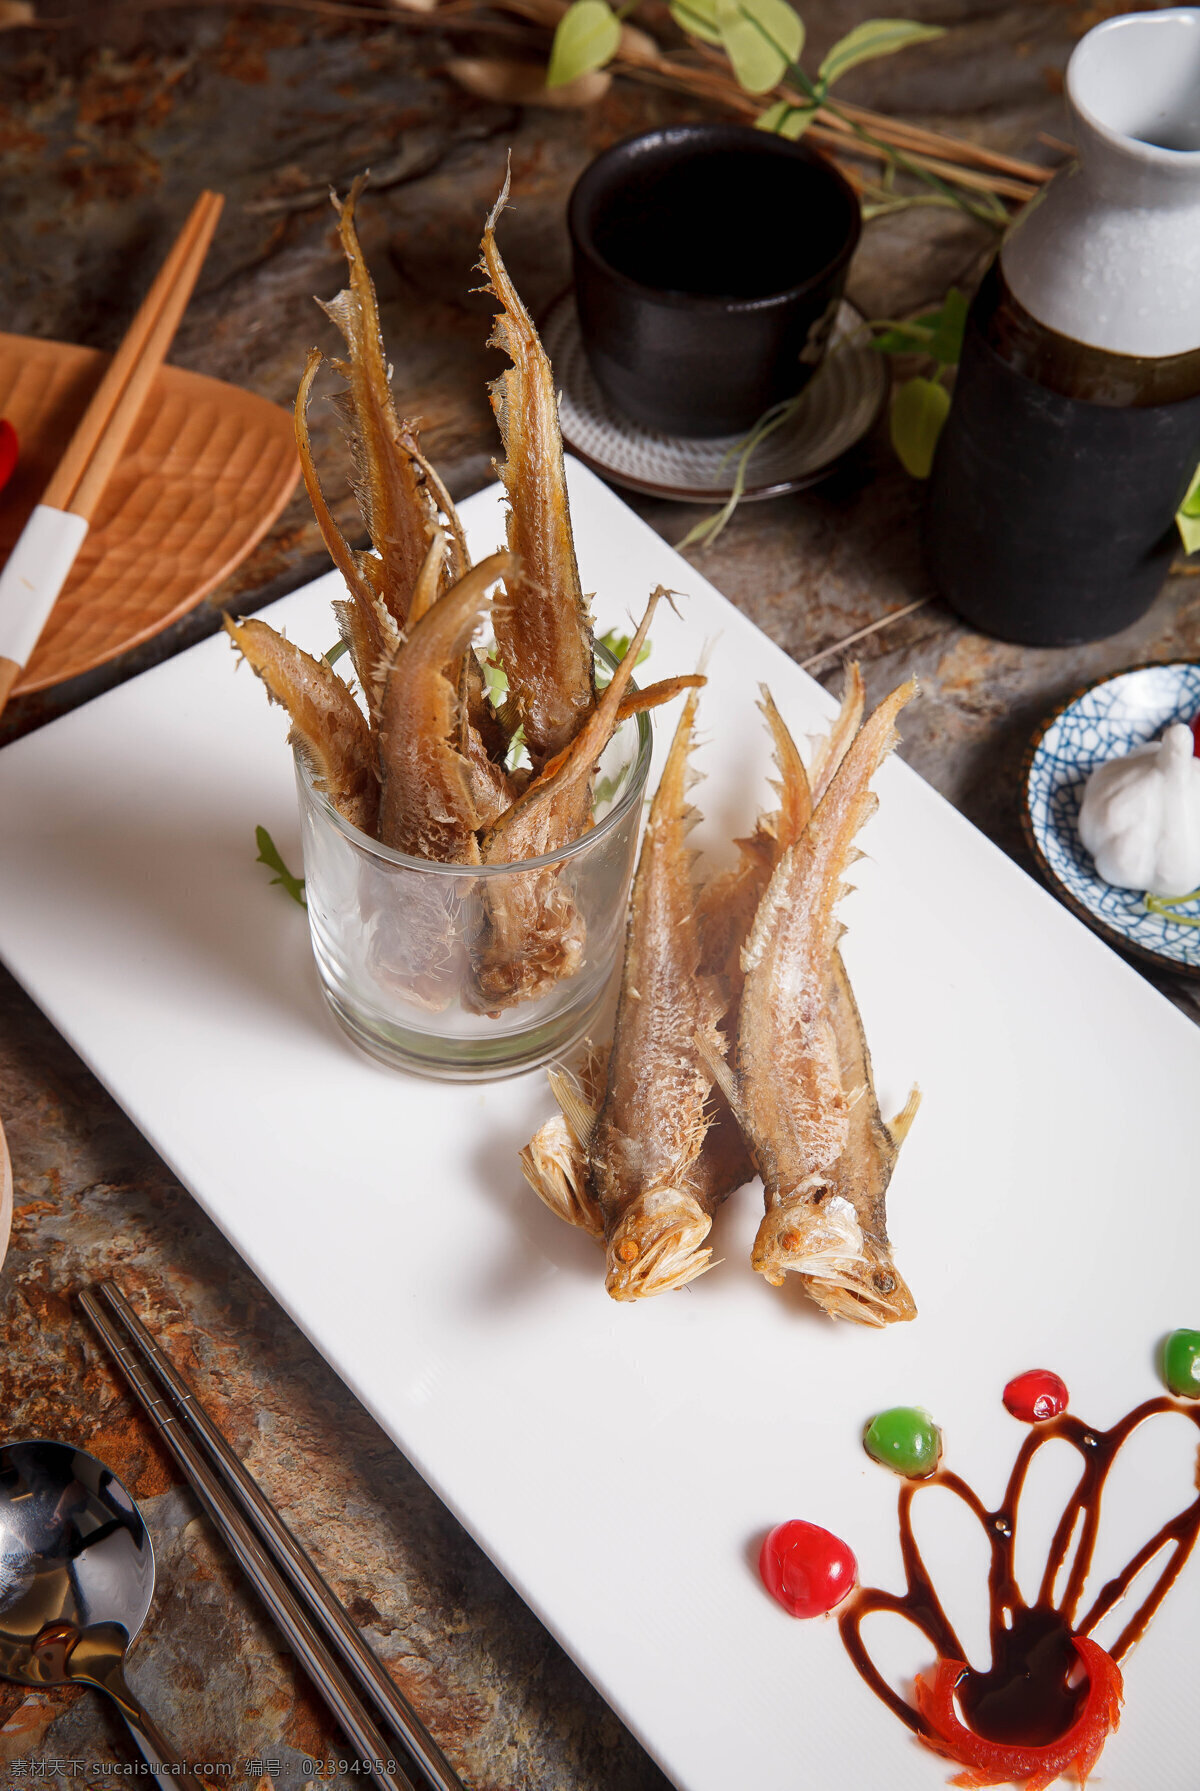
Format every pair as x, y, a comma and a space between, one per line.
1109, 253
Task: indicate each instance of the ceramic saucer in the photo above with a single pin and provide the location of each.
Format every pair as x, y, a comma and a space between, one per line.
840, 405
1106, 721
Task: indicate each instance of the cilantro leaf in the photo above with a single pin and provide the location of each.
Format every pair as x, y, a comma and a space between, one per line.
618, 645
268, 854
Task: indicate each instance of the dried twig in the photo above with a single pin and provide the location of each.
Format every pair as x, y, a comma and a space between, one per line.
860, 634
976, 179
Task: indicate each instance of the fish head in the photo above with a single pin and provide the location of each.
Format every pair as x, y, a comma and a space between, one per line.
873, 1292
657, 1245
846, 1271
555, 1166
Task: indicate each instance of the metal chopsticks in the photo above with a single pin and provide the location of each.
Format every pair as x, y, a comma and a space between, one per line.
326, 1642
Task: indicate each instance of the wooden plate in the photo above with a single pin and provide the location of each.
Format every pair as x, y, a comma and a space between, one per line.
206, 471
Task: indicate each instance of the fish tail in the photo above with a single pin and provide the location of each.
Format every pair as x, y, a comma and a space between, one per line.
795, 795
809, 874
833, 748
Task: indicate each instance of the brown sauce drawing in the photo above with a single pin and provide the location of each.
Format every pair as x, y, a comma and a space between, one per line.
1026, 1698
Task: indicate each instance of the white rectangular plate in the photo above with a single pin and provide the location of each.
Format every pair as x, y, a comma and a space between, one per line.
621, 1463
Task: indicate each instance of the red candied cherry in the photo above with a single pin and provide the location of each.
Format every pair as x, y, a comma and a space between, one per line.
1036, 1396
806, 1568
1196, 738
9, 449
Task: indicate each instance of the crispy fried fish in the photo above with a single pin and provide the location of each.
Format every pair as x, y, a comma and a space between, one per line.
790, 1090
556, 1161
729, 902
873, 1291
653, 1117
401, 500
329, 730
543, 629
427, 804
531, 931
621, 1159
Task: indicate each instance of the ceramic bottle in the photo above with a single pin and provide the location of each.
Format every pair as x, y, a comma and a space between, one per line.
1075, 424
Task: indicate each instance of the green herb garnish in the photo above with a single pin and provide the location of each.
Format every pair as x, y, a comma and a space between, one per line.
268, 854
495, 678
618, 645
1162, 906
1187, 517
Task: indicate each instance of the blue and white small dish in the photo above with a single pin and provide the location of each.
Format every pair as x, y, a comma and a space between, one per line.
1106, 721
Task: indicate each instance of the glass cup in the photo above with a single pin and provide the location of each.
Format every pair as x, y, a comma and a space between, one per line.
420, 961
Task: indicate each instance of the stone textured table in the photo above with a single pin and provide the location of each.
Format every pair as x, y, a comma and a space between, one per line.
109, 123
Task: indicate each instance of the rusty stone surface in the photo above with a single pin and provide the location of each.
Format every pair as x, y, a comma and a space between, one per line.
107, 128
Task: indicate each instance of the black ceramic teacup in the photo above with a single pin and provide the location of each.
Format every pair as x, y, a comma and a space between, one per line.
709, 263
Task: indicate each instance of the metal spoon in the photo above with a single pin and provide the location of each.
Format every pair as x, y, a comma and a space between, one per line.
76, 1578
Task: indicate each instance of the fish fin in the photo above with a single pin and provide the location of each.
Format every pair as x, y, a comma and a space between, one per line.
429, 578
635, 702
717, 1068
575, 762
580, 1117
795, 793
458, 560
900, 1127
371, 642
833, 747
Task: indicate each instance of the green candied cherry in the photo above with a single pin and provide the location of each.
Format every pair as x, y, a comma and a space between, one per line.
1181, 1363
905, 1439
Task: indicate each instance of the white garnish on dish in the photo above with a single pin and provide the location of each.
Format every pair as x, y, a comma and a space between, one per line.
1140, 818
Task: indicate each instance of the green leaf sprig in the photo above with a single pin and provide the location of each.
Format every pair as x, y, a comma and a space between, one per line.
763, 40
587, 37
921, 404
1187, 517
269, 854
1163, 905
618, 645
791, 117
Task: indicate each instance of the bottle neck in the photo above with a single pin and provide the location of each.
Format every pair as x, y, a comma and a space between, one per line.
1076, 369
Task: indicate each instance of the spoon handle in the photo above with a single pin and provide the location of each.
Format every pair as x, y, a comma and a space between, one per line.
153, 1745
98, 1659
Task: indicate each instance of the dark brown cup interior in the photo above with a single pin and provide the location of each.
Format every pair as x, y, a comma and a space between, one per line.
731, 224
709, 260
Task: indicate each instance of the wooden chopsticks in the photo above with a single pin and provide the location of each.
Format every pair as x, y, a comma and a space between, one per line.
349, 1676
39, 564
103, 430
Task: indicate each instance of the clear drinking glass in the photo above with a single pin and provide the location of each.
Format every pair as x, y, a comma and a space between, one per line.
401, 943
